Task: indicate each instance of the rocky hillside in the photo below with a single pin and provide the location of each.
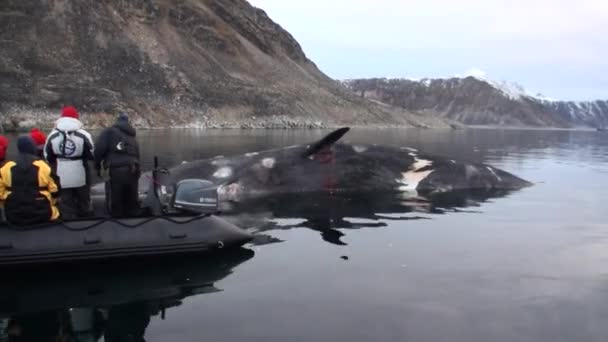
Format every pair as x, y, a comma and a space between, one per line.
589, 113
218, 63
476, 101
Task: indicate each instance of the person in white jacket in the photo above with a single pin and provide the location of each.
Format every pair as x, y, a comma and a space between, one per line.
68, 149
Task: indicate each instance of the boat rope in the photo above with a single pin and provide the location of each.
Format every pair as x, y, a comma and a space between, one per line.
100, 221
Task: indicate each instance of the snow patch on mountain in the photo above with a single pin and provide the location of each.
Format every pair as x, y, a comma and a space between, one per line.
511, 90
474, 99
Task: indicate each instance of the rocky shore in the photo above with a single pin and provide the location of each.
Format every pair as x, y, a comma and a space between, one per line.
24, 120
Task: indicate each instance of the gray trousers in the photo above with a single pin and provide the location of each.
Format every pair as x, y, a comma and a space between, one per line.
75, 202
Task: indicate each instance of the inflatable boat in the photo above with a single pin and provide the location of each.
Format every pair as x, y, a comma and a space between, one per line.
189, 225
108, 238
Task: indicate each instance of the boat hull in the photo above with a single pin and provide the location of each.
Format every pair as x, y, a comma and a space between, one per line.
111, 238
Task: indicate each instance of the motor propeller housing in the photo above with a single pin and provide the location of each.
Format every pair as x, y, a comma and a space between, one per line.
195, 196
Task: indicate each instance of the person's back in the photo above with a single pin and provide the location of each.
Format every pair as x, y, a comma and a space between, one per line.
28, 187
118, 151
68, 149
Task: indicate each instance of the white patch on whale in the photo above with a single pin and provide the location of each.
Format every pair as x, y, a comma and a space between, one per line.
452, 161
229, 192
184, 162
219, 160
412, 177
494, 173
443, 189
470, 171
409, 149
419, 164
251, 154
413, 154
359, 148
223, 172
268, 162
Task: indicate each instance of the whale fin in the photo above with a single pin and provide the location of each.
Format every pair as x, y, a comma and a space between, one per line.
328, 140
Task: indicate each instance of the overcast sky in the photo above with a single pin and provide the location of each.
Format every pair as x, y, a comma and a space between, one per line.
555, 47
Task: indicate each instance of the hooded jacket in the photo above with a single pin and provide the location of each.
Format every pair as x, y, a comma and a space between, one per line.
117, 147
29, 189
67, 149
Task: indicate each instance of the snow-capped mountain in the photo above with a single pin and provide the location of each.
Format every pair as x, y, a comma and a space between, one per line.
589, 113
475, 100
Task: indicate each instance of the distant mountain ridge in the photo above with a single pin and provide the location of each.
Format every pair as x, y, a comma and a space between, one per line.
583, 113
478, 101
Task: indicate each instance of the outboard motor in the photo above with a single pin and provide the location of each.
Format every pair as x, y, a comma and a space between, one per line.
195, 196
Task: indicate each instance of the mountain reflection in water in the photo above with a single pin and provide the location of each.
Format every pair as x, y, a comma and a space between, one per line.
113, 300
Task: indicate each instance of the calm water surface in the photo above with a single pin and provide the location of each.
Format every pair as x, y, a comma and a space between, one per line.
530, 266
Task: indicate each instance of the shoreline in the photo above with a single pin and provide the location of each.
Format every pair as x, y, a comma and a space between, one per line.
315, 127
20, 120
533, 128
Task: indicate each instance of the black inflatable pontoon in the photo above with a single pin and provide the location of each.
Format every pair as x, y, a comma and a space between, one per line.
108, 238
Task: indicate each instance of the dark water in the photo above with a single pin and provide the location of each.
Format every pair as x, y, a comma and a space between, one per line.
529, 266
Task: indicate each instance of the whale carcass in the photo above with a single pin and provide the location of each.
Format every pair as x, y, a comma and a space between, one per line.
330, 166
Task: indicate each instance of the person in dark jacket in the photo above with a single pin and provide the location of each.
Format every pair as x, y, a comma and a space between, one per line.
118, 152
28, 187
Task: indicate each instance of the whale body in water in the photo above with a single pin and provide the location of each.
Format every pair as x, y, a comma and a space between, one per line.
330, 166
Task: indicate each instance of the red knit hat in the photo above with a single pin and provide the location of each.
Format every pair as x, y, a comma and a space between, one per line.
38, 137
3, 146
70, 112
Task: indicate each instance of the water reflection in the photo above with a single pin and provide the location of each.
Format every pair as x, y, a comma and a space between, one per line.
174, 146
478, 145
330, 214
109, 300
530, 268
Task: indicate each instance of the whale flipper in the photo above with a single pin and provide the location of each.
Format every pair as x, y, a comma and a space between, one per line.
328, 140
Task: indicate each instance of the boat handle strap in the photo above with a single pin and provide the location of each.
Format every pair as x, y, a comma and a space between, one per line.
92, 241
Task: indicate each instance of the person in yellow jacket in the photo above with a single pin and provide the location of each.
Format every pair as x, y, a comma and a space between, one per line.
28, 187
